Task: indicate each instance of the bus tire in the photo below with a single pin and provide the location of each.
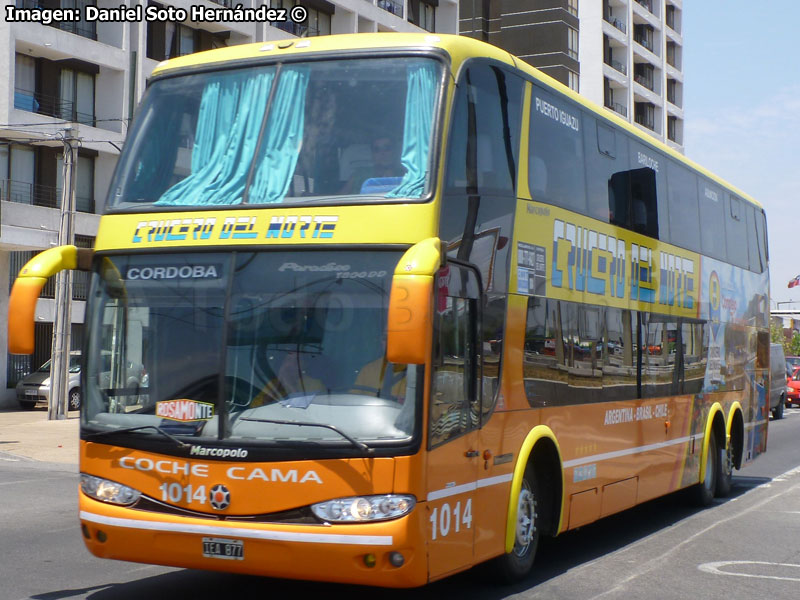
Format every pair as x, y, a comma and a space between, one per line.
703, 492
514, 566
725, 476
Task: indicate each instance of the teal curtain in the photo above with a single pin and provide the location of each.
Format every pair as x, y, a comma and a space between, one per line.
228, 125
420, 99
280, 148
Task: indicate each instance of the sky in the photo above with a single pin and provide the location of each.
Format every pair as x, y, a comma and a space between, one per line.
741, 66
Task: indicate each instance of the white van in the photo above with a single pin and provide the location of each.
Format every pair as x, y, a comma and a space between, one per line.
777, 380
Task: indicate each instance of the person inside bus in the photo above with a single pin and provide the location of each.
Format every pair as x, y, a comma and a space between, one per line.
385, 164
299, 375
381, 378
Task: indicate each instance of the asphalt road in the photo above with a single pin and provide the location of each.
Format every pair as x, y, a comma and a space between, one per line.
740, 548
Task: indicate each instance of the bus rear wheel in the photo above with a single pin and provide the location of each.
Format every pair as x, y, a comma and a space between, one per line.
725, 478
515, 565
704, 491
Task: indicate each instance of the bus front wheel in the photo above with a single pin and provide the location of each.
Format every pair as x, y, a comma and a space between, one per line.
517, 564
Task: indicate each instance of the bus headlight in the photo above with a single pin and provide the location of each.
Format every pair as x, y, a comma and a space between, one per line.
108, 491
360, 509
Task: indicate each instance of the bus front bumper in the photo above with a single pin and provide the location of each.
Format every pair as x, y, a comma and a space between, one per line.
352, 553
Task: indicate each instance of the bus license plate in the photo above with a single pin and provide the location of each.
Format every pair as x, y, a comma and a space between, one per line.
222, 548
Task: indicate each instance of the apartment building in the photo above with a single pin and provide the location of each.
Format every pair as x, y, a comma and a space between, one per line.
625, 55
89, 75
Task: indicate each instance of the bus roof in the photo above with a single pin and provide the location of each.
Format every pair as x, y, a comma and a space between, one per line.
458, 47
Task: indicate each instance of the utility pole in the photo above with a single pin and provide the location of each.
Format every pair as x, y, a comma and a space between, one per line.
59, 364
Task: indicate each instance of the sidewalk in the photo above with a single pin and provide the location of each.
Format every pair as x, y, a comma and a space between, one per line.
29, 434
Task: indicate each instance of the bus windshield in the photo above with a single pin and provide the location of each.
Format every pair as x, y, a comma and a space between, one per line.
246, 346
322, 131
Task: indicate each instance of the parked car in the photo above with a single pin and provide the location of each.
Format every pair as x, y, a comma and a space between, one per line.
34, 389
777, 381
793, 389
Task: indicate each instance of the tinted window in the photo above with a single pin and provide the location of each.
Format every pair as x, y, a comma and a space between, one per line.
484, 141
736, 232
606, 156
684, 218
712, 217
755, 240
634, 192
555, 169
761, 232
455, 408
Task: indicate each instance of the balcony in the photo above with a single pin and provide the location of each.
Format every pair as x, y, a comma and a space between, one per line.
83, 29
616, 23
617, 66
648, 4
392, 6
645, 120
645, 81
52, 106
36, 194
617, 108
646, 41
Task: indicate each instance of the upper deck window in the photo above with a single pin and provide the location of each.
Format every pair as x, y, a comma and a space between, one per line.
325, 131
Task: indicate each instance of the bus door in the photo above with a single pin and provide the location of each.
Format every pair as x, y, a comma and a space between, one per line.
453, 420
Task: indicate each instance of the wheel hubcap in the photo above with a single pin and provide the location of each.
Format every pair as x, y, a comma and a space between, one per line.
526, 520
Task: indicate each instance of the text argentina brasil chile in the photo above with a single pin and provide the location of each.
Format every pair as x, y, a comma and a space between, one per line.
585, 260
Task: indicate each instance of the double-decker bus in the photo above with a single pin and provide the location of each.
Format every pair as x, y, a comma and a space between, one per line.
378, 308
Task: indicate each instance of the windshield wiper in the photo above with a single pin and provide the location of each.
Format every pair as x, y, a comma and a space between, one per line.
139, 428
360, 445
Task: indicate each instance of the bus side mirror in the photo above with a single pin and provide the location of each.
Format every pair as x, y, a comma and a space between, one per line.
411, 304
27, 287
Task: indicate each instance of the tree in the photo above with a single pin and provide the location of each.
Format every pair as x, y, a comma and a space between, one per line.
793, 347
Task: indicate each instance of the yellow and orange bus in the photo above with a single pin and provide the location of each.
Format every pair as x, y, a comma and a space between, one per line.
378, 308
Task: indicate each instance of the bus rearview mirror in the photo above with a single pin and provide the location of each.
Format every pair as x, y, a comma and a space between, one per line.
409, 324
27, 287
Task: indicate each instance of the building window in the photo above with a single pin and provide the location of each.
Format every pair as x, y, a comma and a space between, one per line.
573, 80
672, 94
672, 55
25, 83
168, 40
33, 175
643, 35
643, 74
572, 7
671, 20
572, 43
672, 129
317, 23
422, 14
76, 98
644, 113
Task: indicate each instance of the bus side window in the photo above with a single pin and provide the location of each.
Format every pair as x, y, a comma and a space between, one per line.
606, 152
757, 258
485, 131
684, 216
712, 216
555, 152
736, 231
455, 398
